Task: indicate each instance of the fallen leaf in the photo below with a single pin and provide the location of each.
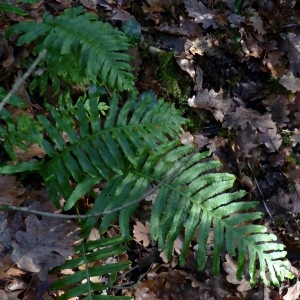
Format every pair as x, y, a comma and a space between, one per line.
201, 14
293, 292
45, 244
11, 191
290, 82
243, 116
141, 233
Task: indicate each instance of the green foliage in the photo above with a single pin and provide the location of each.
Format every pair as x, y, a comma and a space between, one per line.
80, 49
167, 71
133, 147
86, 281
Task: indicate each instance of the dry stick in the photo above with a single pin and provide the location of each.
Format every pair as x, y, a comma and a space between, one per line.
136, 201
261, 194
20, 81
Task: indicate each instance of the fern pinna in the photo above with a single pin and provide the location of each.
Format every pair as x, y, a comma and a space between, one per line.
134, 149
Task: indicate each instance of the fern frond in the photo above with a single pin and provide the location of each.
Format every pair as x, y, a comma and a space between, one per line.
132, 149
91, 278
80, 49
196, 201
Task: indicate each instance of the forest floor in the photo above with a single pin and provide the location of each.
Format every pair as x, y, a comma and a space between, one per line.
233, 68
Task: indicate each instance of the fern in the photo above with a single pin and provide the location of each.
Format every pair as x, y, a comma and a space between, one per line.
131, 151
134, 147
80, 49
86, 281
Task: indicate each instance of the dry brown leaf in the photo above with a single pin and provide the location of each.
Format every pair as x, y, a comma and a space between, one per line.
290, 82
8, 268
296, 136
141, 233
230, 267
256, 21
33, 151
153, 6
274, 62
242, 116
278, 106
293, 292
11, 191
214, 102
187, 66
201, 14
45, 244
293, 47
203, 45
271, 139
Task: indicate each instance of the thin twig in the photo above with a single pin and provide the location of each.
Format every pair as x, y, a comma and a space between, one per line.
126, 205
21, 80
261, 194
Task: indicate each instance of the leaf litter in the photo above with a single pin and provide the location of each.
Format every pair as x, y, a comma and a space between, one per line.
242, 67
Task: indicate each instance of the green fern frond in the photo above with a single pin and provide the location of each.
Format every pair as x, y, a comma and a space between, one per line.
93, 274
197, 201
132, 149
80, 49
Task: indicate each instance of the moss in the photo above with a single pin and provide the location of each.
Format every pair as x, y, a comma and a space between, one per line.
292, 160
286, 138
195, 124
167, 74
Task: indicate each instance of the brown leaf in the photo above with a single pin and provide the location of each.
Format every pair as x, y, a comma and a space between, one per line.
214, 102
256, 21
243, 116
230, 267
278, 106
293, 292
141, 233
290, 82
11, 191
201, 14
45, 244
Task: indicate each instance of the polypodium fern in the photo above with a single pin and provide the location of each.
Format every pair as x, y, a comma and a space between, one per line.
96, 275
132, 149
80, 49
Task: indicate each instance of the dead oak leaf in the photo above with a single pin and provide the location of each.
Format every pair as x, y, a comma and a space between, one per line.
256, 22
278, 106
141, 233
214, 102
242, 116
11, 191
45, 244
230, 267
290, 82
271, 139
200, 13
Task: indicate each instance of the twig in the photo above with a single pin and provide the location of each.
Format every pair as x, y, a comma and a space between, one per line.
131, 203
261, 195
21, 80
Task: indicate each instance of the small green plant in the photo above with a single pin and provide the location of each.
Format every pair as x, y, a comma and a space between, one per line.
133, 148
